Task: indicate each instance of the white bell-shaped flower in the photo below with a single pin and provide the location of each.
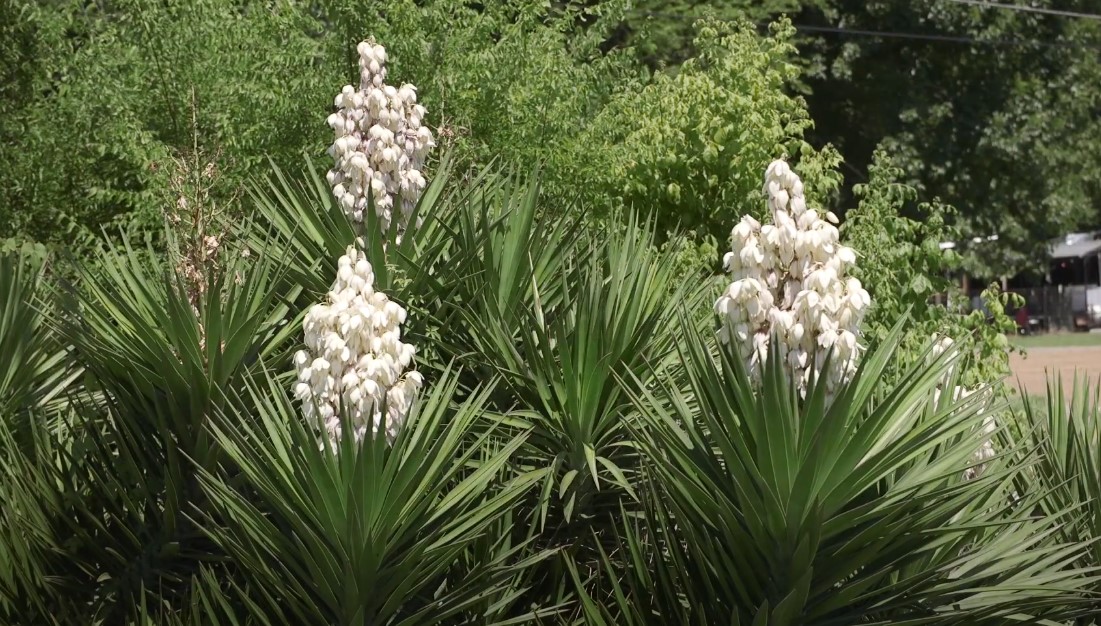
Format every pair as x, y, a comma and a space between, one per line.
790, 278
378, 131
354, 360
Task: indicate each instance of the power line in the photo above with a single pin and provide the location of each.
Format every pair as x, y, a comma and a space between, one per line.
887, 34
987, 4
942, 38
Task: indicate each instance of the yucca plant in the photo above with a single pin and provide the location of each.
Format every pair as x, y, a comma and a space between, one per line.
561, 360
118, 480
555, 311
583, 452
478, 248
367, 533
549, 308
211, 601
1065, 432
36, 370
297, 219
437, 271
36, 377
28, 546
765, 508
109, 522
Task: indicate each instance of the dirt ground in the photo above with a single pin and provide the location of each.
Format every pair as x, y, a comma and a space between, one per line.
1030, 368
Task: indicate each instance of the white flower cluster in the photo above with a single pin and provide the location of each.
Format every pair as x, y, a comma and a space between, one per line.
354, 359
790, 280
380, 144
989, 426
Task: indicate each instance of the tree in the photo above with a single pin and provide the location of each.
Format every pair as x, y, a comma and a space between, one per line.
663, 33
691, 147
100, 99
110, 92
1003, 125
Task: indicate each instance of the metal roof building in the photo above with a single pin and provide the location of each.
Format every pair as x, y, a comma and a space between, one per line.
1076, 246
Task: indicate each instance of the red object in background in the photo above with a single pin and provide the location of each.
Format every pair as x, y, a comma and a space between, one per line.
1022, 318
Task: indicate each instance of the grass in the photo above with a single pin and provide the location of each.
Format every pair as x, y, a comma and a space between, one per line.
1057, 340
1017, 401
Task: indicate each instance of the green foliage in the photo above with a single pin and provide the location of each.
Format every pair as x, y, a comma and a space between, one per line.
584, 452
691, 146
239, 84
768, 510
141, 85
554, 311
1064, 427
366, 534
31, 252
37, 367
662, 31
905, 270
135, 84
901, 262
1003, 131
516, 81
108, 93
988, 328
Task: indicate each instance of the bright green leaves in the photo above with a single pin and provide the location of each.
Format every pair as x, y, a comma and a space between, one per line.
903, 267
775, 511
691, 146
583, 451
370, 534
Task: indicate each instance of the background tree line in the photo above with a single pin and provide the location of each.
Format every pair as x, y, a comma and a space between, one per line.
990, 110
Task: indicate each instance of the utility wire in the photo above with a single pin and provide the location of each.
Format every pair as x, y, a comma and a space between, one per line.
986, 4
943, 38
886, 34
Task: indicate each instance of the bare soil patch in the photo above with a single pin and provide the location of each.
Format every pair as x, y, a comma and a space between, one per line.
1037, 364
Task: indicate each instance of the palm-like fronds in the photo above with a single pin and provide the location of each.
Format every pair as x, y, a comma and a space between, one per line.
297, 220
163, 362
367, 534
559, 316
771, 510
121, 478
1066, 432
617, 315
596, 457
35, 369
36, 376
28, 545
481, 256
